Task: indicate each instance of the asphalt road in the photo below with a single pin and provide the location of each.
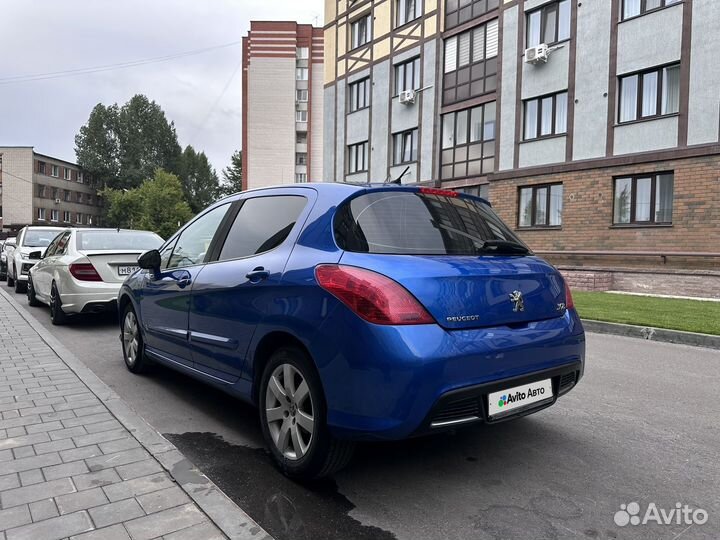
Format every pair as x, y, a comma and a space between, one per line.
643, 425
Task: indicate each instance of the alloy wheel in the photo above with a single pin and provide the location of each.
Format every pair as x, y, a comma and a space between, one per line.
289, 411
130, 337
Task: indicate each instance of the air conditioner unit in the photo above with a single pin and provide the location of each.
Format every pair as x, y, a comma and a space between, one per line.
57, 201
407, 97
535, 55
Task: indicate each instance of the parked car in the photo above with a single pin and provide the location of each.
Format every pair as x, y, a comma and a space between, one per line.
5, 253
82, 270
29, 239
355, 312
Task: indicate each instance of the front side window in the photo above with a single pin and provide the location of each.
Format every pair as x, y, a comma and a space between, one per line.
417, 223
407, 10
407, 76
361, 31
194, 241
358, 157
549, 24
650, 93
359, 94
633, 8
470, 68
644, 199
405, 147
540, 206
262, 224
546, 116
459, 12
468, 142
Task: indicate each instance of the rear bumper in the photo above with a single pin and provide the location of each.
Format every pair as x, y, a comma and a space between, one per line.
390, 383
90, 297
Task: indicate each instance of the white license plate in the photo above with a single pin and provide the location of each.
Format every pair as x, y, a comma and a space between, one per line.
511, 400
127, 270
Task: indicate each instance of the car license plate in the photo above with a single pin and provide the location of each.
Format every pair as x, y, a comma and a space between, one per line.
513, 399
127, 270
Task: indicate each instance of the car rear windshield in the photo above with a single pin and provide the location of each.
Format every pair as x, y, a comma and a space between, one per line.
39, 237
416, 223
117, 240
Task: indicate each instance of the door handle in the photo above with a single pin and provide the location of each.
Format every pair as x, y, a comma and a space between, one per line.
184, 282
257, 275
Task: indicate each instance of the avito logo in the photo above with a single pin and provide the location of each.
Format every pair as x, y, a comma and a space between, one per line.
519, 396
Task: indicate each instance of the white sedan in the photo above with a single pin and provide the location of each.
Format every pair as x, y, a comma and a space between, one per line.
82, 269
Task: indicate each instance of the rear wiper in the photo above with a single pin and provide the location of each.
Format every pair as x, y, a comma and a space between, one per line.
503, 246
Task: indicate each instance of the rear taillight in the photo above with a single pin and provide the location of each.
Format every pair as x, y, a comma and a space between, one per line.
569, 304
372, 296
84, 272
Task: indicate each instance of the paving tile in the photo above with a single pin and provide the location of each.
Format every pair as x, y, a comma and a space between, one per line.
67, 433
206, 531
9, 481
47, 426
117, 446
116, 532
95, 438
54, 528
89, 419
36, 492
117, 512
23, 440
79, 453
7, 455
165, 522
45, 509
139, 468
82, 500
76, 405
96, 479
163, 499
137, 486
33, 476
62, 415
119, 458
19, 421
16, 431
34, 462
14, 517
53, 446
65, 470
86, 409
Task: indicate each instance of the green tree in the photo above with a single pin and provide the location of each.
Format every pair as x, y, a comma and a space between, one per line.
97, 146
232, 175
158, 205
199, 179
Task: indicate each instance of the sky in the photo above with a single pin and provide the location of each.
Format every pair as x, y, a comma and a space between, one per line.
201, 93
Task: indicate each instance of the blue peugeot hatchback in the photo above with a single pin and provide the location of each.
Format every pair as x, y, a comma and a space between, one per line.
348, 312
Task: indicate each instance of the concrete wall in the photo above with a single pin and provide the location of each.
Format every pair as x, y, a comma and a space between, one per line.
271, 121
646, 136
17, 186
542, 151
506, 144
704, 110
650, 40
541, 79
380, 121
426, 149
329, 123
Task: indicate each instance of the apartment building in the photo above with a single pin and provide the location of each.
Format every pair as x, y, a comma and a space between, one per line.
282, 104
593, 127
41, 190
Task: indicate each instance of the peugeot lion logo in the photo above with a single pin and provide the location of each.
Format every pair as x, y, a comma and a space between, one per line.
516, 297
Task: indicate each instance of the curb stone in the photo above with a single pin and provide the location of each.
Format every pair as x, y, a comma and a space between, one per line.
653, 334
222, 511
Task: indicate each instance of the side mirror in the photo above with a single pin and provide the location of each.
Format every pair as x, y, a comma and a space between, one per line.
150, 260
35, 255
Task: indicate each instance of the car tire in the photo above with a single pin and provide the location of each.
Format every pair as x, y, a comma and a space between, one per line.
132, 342
57, 315
10, 281
19, 285
303, 450
32, 299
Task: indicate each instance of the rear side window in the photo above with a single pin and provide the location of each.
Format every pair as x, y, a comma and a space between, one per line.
414, 223
262, 224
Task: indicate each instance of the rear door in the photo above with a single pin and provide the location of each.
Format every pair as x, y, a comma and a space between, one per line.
454, 254
44, 270
242, 286
165, 300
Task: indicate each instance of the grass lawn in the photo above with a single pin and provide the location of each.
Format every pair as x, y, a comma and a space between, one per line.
671, 313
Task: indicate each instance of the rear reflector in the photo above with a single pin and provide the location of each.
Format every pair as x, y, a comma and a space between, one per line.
569, 304
84, 272
372, 296
441, 192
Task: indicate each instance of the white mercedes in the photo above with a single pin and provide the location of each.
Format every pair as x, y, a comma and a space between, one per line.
83, 269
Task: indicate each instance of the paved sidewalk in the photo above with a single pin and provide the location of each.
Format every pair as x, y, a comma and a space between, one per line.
69, 466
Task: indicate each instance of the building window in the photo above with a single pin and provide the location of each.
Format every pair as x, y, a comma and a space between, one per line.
301, 74
633, 8
468, 142
301, 137
358, 158
78, 218
41, 214
471, 63
541, 206
303, 53
54, 171
546, 116
301, 116
300, 177
89, 219
655, 92
407, 76
361, 31
301, 158
54, 215
56, 194
645, 199
67, 173
405, 147
549, 24
68, 196
66, 216
80, 197
458, 12
80, 177
41, 190
359, 94
407, 10
41, 167
301, 96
